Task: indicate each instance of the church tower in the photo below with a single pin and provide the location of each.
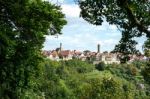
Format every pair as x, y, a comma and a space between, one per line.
98, 48
60, 46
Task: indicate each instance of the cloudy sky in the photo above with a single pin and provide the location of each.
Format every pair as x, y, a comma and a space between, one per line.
80, 35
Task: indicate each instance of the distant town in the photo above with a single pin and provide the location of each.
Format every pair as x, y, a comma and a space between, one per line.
94, 57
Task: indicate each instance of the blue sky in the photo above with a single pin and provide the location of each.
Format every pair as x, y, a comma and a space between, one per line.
80, 35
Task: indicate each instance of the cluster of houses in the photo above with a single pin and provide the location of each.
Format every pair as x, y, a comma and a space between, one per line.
95, 57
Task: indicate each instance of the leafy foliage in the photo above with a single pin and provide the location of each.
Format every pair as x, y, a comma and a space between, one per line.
63, 80
25, 74
146, 73
146, 48
130, 15
100, 66
23, 26
126, 46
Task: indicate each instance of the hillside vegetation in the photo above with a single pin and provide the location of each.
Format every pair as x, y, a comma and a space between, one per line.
75, 79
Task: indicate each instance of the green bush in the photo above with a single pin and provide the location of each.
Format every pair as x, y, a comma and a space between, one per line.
100, 66
146, 73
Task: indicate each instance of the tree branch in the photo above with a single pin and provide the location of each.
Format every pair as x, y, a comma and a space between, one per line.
135, 21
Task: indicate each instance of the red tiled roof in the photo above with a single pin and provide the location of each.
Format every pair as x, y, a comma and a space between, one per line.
65, 52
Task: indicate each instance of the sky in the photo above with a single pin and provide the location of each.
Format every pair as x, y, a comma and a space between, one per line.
80, 35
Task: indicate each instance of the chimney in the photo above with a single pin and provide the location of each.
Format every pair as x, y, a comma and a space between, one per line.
98, 48
60, 46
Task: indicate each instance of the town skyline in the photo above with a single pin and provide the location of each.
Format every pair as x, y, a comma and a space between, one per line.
95, 57
97, 49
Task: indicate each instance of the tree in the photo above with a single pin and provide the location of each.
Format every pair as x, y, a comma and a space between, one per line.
23, 26
106, 52
126, 46
146, 73
86, 52
146, 48
130, 16
100, 66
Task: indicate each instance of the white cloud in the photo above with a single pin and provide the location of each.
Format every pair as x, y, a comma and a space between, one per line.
57, 2
113, 34
113, 27
83, 41
107, 44
110, 42
71, 10
80, 35
139, 46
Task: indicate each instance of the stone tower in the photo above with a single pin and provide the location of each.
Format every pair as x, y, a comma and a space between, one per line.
60, 46
98, 48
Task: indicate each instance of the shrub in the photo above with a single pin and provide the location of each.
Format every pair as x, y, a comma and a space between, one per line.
146, 73
101, 66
